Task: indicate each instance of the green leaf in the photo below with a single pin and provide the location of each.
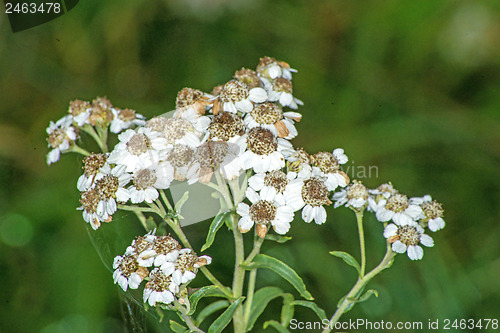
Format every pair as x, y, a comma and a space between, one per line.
225, 318
211, 308
177, 328
365, 296
203, 292
282, 269
313, 306
214, 227
277, 326
260, 300
277, 238
348, 260
287, 310
181, 202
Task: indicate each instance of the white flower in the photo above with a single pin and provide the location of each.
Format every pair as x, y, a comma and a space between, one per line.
407, 239
216, 156
237, 96
61, 136
147, 181
355, 196
271, 116
399, 209
280, 90
275, 181
160, 288
124, 119
128, 272
95, 167
265, 210
138, 149
329, 166
311, 194
432, 212
271, 68
265, 151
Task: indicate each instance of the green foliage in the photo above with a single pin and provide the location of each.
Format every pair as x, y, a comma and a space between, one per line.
282, 269
225, 318
217, 222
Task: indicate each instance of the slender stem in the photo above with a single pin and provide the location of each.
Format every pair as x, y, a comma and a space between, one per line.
359, 218
166, 201
239, 272
77, 149
136, 208
91, 131
103, 137
251, 289
360, 284
255, 250
252, 278
187, 318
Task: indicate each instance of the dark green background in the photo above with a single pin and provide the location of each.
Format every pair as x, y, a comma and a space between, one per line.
412, 87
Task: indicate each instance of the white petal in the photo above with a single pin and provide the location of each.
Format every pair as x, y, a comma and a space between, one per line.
258, 95
307, 213
390, 230
398, 247
436, 224
415, 252
426, 240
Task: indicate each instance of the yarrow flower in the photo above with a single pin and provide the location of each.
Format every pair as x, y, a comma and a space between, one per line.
432, 212
62, 136
399, 209
237, 96
138, 149
161, 261
407, 239
264, 212
355, 196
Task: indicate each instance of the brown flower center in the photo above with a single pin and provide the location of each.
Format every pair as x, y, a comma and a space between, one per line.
262, 141
175, 129
211, 154
267, 113
397, 203
138, 144
276, 179
283, 85
234, 91
326, 162
144, 178
248, 76
263, 212
432, 209
180, 155
107, 187
315, 193
93, 163
409, 235
226, 125
187, 97
357, 191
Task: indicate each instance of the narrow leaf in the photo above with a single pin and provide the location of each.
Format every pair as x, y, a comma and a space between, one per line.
225, 318
365, 296
313, 306
177, 328
214, 227
277, 326
203, 292
181, 202
260, 300
277, 238
288, 309
210, 309
348, 259
282, 269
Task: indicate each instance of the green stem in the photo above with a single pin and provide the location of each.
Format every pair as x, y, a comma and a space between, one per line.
77, 149
239, 272
187, 318
253, 276
360, 284
359, 218
97, 138
103, 138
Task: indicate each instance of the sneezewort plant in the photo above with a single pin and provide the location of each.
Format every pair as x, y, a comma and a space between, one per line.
235, 141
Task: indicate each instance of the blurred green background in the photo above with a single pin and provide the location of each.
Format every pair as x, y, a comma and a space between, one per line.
412, 88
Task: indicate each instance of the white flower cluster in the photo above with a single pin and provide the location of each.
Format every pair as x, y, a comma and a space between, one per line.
408, 217
241, 125
161, 262
81, 116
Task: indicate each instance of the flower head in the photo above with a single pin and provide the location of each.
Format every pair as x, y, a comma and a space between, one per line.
407, 239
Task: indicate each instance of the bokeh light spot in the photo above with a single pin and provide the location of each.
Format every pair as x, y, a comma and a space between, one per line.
16, 230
